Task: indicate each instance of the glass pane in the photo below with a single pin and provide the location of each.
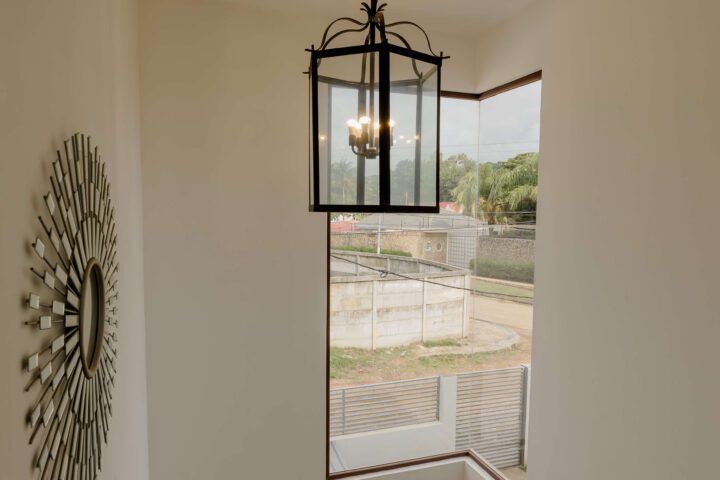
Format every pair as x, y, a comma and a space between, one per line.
509, 145
413, 113
323, 130
459, 158
348, 112
432, 315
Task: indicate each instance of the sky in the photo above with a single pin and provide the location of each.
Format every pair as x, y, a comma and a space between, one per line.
492, 130
495, 129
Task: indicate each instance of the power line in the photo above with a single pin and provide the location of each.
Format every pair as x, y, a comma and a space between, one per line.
385, 273
449, 216
482, 144
523, 142
454, 236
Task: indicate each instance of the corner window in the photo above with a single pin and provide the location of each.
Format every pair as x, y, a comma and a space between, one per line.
430, 317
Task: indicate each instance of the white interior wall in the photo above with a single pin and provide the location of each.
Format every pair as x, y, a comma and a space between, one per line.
235, 265
511, 49
68, 66
626, 320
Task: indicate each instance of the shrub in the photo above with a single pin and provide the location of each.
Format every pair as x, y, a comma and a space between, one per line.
504, 270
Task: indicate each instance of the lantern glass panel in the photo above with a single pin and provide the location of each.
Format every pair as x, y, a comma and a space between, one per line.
414, 121
323, 130
348, 135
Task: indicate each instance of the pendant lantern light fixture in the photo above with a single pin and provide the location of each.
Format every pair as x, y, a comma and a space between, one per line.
374, 118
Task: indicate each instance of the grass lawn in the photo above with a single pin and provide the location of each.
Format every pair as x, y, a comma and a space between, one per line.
482, 285
507, 270
448, 342
355, 366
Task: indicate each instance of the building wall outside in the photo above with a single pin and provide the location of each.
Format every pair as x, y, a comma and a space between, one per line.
515, 250
426, 245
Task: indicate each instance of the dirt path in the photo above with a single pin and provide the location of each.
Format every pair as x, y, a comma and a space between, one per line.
518, 316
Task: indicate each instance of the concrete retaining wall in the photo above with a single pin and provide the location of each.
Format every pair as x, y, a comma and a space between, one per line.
370, 311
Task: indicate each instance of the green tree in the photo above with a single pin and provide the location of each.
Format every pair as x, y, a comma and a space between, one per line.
470, 193
509, 186
343, 182
402, 183
452, 170
514, 184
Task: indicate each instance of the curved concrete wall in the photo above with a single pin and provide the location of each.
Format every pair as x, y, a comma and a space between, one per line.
371, 311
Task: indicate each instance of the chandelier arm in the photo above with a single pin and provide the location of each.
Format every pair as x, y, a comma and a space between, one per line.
367, 38
407, 44
364, 61
406, 22
379, 21
325, 40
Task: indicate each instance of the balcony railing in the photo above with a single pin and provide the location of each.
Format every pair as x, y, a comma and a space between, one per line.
482, 411
384, 405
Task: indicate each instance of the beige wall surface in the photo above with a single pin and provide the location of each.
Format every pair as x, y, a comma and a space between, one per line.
511, 49
626, 324
426, 245
68, 66
235, 265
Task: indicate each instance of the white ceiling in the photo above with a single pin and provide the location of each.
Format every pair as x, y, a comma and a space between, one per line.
463, 17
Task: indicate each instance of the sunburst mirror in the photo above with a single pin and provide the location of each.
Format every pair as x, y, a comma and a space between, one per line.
74, 307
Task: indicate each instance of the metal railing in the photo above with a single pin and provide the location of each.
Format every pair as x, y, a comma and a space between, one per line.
490, 410
491, 414
385, 405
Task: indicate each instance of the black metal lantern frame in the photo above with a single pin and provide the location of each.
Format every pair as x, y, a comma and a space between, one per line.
364, 141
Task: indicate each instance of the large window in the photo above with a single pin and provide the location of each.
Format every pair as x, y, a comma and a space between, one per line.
431, 315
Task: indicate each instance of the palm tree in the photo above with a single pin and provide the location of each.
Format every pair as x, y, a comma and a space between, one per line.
343, 182
509, 186
514, 183
466, 193
474, 195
